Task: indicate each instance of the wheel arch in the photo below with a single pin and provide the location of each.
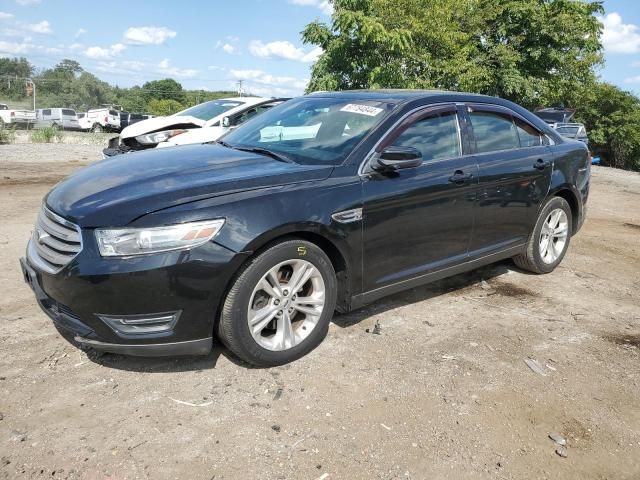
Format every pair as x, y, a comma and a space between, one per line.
336, 254
314, 234
571, 197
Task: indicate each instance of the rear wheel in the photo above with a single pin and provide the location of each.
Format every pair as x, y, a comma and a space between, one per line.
550, 239
280, 305
98, 128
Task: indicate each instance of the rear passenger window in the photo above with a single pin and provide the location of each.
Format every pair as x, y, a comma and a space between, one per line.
494, 132
529, 136
46, 111
436, 137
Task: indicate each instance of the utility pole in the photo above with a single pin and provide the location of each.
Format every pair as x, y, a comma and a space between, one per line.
240, 87
33, 90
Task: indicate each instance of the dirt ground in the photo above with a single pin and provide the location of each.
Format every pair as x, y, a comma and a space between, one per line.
442, 392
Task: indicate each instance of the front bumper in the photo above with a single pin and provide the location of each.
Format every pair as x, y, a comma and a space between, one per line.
90, 288
116, 147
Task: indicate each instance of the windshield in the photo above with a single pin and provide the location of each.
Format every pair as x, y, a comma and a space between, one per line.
311, 130
208, 110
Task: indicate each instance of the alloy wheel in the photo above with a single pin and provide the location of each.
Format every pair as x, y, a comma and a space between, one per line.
286, 304
553, 236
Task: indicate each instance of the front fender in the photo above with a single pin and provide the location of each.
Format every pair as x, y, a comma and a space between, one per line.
257, 217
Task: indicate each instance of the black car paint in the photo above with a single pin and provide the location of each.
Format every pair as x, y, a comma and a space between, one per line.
262, 200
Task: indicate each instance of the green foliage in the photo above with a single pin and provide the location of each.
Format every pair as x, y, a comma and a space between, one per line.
68, 85
612, 118
19, 68
166, 89
524, 50
46, 135
7, 134
164, 107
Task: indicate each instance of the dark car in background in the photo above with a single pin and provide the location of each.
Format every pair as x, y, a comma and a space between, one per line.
326, 202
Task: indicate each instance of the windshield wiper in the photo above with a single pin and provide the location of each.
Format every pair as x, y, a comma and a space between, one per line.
259, 150
223, 143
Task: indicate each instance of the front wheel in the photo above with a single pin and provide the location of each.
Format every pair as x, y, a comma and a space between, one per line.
550, 239
280, 305
97, 128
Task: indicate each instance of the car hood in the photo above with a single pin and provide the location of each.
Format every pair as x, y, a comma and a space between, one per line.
157, 124
116, 191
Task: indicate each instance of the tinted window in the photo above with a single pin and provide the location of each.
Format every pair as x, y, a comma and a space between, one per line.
114, 113
46, 111
436, 137
67, 111
494, 132
529, 136
81, 115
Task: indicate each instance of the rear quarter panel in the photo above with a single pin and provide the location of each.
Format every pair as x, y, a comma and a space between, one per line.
571, 171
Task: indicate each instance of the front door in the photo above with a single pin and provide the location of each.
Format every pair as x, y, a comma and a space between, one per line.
419, 220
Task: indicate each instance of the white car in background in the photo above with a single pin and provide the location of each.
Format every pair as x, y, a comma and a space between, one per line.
20, 117
202, 123
100, 120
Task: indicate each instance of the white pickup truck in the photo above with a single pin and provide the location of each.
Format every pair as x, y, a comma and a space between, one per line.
9, 116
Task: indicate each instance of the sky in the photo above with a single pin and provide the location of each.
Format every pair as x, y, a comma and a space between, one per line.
213, 44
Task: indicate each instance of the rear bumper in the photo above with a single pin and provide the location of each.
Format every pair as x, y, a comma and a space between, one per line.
22, 121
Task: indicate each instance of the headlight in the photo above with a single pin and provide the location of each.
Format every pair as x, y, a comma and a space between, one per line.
157, 137
139, 241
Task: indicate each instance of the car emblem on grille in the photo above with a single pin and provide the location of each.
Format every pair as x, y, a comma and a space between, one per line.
40, 235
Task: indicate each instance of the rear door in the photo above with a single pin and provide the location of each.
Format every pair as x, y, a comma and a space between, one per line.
515, 167
419, 220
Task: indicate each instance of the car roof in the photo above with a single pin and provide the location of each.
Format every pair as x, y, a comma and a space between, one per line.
407, 95
246, 100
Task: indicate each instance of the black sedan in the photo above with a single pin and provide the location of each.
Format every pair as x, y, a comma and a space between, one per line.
324, 203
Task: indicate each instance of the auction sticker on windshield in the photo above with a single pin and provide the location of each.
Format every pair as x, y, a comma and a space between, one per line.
361, 109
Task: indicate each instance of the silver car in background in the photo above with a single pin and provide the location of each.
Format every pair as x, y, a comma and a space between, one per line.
63, 118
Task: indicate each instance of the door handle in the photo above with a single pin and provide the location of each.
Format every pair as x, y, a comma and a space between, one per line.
541, 164
459, 177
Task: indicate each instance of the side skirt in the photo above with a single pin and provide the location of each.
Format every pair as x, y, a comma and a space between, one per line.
358, 301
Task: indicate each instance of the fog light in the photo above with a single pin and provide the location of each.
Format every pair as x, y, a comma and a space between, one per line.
133, 325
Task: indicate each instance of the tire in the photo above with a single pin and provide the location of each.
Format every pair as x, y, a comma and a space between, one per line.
97, 128
537, 258
274, 343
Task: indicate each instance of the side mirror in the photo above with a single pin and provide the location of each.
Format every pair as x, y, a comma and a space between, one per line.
397, 158
226, 122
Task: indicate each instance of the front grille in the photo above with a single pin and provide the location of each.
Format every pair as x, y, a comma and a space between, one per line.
56, 240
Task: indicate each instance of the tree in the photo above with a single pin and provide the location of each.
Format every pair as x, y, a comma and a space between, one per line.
164, 89
164, 107
13, 72
531, 51
612, 118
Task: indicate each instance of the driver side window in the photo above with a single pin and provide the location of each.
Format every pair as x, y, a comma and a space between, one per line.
435, 136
